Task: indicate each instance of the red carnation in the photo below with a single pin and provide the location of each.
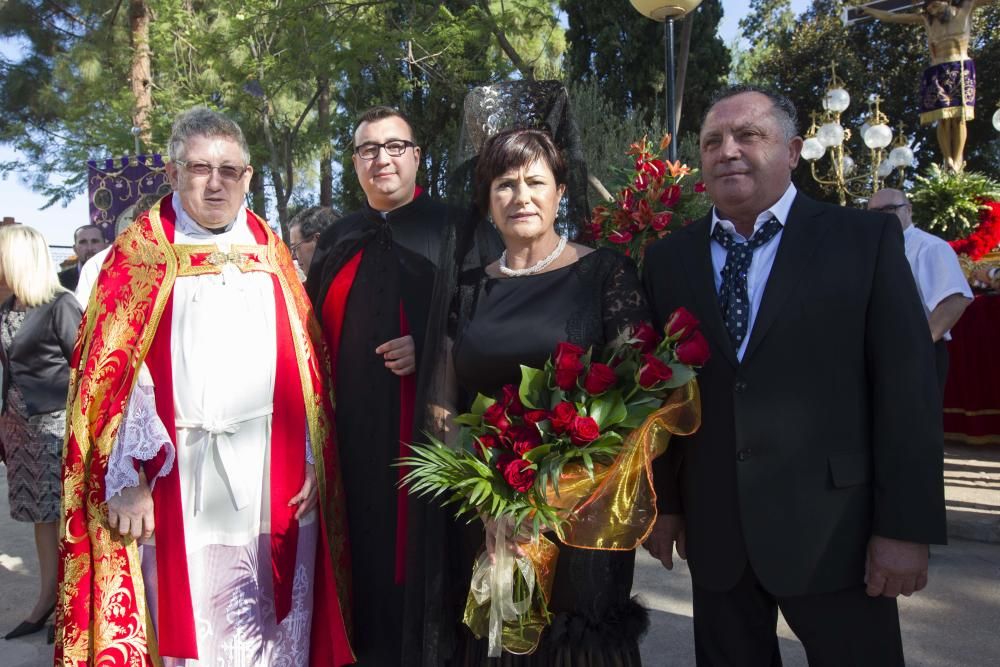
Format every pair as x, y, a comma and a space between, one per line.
583, 430
568, 365
496, 416
511, 400
671, 196
681, 324
562, 416
518, 473
694, 350
535, 416
523, 438
646, 338
600, 378
653, 372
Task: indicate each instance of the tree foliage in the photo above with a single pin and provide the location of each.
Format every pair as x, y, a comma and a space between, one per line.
621, 52
293, 73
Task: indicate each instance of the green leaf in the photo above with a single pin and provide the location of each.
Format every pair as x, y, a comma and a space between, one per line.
532, 388
469, 419
481, 403
608, 409
534, 455
682, 375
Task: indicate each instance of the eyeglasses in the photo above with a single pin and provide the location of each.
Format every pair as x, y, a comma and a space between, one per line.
394, 148
226, 171
888, 208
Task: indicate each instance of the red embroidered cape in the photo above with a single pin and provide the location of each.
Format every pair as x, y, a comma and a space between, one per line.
101, 615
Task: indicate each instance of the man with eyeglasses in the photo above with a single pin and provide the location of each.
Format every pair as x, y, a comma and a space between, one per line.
304, 231
943, 288
201, 429
371, 281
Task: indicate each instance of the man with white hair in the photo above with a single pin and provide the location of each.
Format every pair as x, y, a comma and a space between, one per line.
200, 427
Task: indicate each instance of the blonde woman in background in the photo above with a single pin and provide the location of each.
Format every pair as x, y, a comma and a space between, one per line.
37, 332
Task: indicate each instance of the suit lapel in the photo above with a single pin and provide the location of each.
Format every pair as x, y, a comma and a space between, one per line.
701, 276
803, 231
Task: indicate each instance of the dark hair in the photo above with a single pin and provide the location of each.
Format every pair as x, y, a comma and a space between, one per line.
512, 149
787, 116
377, 113
314, 220
83, 227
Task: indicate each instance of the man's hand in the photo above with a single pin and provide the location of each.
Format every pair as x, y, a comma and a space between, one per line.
400, 355
668, 531
308, 495
895, 567
131, 512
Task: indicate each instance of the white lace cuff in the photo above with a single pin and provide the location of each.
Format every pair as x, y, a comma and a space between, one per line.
139, 438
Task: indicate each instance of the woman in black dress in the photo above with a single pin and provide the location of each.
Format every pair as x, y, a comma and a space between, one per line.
544, 290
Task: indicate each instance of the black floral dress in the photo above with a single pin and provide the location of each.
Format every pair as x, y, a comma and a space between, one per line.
519, 321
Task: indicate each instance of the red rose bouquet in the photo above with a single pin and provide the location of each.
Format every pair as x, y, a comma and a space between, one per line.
568, 450
657, 196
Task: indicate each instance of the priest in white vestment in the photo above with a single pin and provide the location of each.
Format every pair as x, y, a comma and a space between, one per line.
224, 427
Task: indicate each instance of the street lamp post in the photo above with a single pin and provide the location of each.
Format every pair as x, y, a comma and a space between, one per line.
666, 11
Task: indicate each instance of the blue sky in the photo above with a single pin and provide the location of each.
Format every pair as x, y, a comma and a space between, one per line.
57, 222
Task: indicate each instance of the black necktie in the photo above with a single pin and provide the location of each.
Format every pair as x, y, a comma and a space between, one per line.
733, 297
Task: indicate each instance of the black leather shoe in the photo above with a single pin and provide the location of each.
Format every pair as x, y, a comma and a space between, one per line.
30, 627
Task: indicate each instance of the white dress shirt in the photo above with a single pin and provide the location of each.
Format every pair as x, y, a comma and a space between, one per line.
763, 257
935, 269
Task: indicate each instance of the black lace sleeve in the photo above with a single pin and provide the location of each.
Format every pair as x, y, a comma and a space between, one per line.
623, 301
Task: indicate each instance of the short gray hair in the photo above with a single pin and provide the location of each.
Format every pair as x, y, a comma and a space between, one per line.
314, 220
786, 114
203, 122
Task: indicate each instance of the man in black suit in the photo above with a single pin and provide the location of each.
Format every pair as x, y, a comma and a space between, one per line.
87, 242
815, 482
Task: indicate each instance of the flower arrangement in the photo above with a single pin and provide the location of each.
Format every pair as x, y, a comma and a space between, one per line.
568, 450
657, 197
985, 237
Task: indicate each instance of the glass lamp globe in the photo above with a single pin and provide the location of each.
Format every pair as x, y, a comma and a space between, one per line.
996, 120
877, 136
837, 99
661, 10
901, 156
812, 149
848, 165
884, 169
830, 134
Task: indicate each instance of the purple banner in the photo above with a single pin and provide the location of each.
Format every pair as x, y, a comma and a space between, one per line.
122, 189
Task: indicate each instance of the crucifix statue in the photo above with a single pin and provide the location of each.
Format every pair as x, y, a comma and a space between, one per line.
948, 86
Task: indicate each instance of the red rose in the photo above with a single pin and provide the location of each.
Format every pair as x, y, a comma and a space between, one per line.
646, 338
487, 441
699, 186
535, 416
653, 372
583, 430
511, 400
671, 196
523, 438
568, 365
600, 378
681, 323
562, 416
519, 474
694, 350
496, 416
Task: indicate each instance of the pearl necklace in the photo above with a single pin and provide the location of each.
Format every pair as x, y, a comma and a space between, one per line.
535, 268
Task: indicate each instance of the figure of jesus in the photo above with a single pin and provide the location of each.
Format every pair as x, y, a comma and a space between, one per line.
948, 86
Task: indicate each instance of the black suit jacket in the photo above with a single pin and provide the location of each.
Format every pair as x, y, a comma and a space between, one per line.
70, 277
829, 430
